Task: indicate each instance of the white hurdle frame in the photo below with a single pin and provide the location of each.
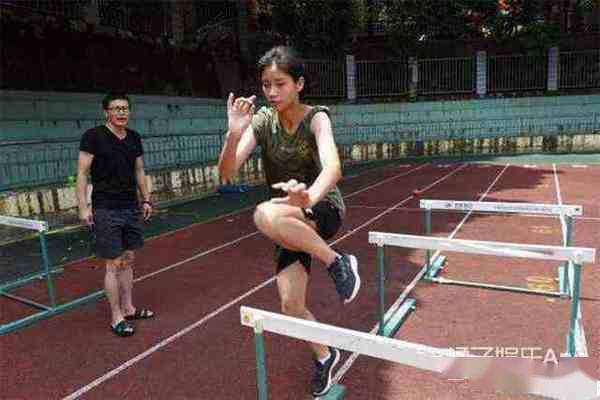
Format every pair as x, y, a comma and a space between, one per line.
417, 355
439, 360
574, 255
564, 271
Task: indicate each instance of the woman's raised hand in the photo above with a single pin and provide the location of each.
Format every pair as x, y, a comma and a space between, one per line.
239, 113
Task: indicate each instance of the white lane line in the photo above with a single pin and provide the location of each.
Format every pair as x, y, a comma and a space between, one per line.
165, 342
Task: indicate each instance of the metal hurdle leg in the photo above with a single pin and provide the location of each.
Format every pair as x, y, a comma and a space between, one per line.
261, 372
337, 392
563, 270
427, 223
433, 266
46, 260
390, 327
574, 327
381, 287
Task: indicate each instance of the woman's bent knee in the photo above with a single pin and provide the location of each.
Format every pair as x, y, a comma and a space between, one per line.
264, 216
293, 308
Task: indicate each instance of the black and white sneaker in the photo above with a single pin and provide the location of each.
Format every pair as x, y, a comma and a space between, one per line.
344, 272
321, 381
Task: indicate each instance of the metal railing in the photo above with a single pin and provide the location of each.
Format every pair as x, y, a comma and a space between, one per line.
382, 78
517, 72
325, 78
579, 69
447, 75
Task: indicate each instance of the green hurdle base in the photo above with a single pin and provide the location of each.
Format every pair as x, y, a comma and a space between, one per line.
389, 327
576, 346
439, 262
30, 278
337, 392
393, 324
20, 323
435, 266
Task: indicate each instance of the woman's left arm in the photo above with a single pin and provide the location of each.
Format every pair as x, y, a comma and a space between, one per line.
328, 155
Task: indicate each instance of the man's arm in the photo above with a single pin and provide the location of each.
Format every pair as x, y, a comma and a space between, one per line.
140, 179
83, 167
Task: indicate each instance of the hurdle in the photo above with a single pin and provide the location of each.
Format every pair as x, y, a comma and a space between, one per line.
435, 264
46, 273
415, 355
574, 255
443, 361
41, 227
388, 327
420, 356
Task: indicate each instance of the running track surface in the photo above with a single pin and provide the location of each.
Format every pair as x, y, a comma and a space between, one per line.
196, 279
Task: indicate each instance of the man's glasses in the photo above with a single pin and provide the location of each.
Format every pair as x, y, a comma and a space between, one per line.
124, 110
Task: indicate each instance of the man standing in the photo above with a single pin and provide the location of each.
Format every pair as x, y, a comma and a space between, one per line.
112, 155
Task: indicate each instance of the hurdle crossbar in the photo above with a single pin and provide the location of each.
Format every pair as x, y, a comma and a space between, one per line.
412, 354
505, 207
577, 255
40, 226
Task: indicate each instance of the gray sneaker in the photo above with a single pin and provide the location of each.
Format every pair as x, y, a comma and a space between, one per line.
344, 272
321, 381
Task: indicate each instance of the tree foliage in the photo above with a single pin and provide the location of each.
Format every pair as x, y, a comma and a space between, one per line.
408, 23
315, 27
326, 27
524, 21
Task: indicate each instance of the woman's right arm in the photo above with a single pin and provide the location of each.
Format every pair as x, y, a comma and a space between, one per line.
240, 139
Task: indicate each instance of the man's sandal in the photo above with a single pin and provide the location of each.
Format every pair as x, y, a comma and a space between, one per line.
140, 313
122, 329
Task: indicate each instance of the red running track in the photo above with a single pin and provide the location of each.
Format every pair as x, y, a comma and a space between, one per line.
197, 349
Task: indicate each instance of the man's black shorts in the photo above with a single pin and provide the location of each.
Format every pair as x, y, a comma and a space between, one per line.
328, 220
117, 230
